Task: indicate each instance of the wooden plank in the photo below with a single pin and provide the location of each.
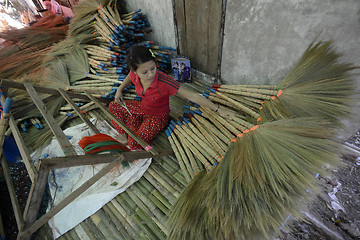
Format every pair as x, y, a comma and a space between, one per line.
191, 31
12, 193
80, 160
51, 91
59, 134
35, 197
214, 35
78, 111
122, 125
179, 6
202, 28
72, 196
22, 147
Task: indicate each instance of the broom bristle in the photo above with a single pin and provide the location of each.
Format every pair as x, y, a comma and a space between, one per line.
317, 86
78, 64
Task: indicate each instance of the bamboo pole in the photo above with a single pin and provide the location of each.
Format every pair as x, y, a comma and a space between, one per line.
126, 219
144, 182
114, 224
153, 198
87, 230
95, 218
94, 229
148, 207
143, 222
159, 187
160, 171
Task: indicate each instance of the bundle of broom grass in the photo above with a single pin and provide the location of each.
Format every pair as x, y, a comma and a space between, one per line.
269, 168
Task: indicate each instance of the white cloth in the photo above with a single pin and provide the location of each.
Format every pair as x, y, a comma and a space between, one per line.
64, 181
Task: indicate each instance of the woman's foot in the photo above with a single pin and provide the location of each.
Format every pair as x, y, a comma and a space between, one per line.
122, 138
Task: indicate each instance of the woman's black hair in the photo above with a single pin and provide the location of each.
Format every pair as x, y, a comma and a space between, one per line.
138, 55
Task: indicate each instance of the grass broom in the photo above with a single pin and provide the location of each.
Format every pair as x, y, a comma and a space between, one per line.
258, 183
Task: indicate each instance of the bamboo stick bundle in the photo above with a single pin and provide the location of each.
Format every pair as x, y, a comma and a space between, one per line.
216, 99
198, 143
180, 155
239, 90
96, 82
239, 105
92, 89
113, 78
208, 126
239, 87
221, 120
206, 159
250, 101
194, 150
208, 141
213, 139
218, 124
185, 164
104, 24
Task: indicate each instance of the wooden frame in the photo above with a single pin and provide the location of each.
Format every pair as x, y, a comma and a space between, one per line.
28, 222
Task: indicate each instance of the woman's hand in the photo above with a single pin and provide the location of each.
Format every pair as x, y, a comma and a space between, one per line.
226, 113
119, 98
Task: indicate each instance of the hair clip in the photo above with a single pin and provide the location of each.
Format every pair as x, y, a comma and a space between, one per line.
152, 54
